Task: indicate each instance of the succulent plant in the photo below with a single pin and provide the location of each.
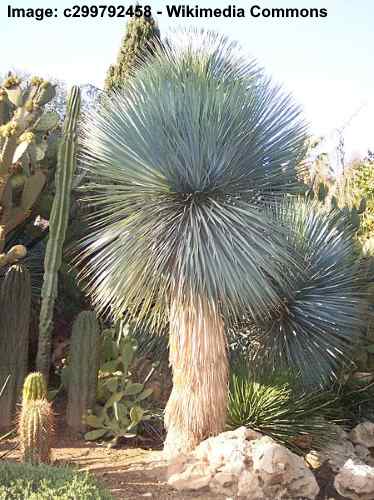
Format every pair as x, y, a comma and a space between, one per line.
24, 128
34, 388
83, 368
123, 404
57, 229
36, 431
15, 300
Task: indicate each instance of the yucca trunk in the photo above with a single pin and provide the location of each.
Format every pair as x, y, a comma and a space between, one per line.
198, 356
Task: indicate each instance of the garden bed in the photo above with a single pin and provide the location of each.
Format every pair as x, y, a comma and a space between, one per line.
133, 472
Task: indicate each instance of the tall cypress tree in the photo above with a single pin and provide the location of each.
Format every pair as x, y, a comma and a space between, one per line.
140, 34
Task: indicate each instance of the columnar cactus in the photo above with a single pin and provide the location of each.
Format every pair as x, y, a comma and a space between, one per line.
15, 303
23, 144
34, 388
36, 431
83, 368
57, 229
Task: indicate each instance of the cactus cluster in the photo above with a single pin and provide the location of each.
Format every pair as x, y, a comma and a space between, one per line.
66, 162
24, 128
83, 369
35, 428
15, 305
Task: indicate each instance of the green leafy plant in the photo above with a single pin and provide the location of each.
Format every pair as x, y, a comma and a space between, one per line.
44, 482
273, 404
121, 402
356, 399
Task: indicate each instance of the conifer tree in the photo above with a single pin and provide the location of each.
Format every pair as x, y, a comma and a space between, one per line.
140, 34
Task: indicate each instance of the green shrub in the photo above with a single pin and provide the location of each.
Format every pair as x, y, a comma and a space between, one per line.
356, 399
274, 405
43, 482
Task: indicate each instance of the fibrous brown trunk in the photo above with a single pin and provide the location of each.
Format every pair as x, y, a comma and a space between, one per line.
198, 356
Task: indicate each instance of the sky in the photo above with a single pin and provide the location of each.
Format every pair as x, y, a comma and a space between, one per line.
326, 63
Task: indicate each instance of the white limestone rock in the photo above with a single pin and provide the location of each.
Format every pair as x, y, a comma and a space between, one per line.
355, 480
363, 434
243, 463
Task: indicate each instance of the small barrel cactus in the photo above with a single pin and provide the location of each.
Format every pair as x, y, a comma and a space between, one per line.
34, 388
83, 369
15, 304
36, 431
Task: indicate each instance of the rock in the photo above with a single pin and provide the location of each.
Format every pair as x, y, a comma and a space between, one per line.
249, 486
363, 434
280, 472
243, 463
194, 477
338, 452
362, 452
355, 480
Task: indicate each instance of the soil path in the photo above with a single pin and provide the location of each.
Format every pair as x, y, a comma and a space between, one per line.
129, 473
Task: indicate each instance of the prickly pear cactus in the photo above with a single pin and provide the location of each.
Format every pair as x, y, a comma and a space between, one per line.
83, 368
24, 128
15, 302
57, 229
34, 388
36, 432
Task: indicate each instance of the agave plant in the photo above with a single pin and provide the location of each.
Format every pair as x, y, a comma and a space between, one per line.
273, 404
182, 166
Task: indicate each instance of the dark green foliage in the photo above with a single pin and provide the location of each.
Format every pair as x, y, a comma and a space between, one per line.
83, 368
15, 301
43, 482
141, 33
150, 344
356, 399
272, 404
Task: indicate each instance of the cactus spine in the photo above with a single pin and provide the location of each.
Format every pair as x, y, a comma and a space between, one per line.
57, 229
83, 368
15, 303
34, 388
36, 431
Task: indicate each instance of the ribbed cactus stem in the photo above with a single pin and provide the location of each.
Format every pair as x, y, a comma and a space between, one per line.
57, 229
36, 432
83, 369
15, 304
34, 388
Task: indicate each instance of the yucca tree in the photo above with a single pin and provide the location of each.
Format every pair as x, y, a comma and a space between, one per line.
181, 164
320, 321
